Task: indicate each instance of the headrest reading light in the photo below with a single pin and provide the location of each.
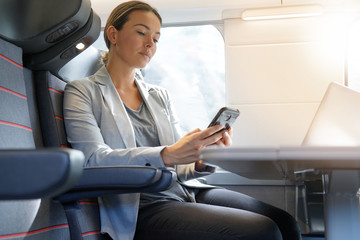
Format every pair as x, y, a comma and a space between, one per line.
80, 46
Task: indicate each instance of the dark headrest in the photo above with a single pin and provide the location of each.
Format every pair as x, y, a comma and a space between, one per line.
48, 31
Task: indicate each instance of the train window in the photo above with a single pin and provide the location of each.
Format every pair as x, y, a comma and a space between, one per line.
190, 63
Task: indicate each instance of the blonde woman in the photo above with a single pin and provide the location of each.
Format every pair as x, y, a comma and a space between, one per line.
115, 118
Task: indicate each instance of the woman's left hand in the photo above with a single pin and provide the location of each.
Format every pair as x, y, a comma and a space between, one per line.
225, 141
226, 138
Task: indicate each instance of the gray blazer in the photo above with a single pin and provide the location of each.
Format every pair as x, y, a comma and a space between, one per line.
97, 123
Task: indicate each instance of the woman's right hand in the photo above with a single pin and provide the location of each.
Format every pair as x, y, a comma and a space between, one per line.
187, 149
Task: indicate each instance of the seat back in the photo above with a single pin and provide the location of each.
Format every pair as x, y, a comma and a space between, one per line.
50, 91
336, 122
15, 125
23, 219
45, 34
84, 214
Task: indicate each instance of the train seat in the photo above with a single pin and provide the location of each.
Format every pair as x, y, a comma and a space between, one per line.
29, 177
50, 94
31, 119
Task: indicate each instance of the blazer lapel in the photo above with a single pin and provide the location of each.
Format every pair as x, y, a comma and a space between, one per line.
158, 111
116, 106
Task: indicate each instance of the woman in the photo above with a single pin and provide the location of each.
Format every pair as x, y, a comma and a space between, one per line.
117, 119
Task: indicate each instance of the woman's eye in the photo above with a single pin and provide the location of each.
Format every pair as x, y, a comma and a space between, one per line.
141, 33
156, 40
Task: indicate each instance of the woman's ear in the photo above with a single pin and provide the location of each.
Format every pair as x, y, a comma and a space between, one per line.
111, 34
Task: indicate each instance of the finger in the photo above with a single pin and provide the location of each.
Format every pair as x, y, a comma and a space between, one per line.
229, 130
193, 131
220, 143
213, 138
226, 139
211, 130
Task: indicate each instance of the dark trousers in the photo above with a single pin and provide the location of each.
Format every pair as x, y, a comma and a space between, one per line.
218, 214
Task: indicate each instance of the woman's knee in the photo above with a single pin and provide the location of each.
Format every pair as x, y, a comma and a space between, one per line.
245, 226
268, 229
257, 227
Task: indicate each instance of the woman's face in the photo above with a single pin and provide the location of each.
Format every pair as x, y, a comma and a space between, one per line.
135, 43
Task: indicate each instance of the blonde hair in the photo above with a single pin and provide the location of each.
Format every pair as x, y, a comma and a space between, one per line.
120, 15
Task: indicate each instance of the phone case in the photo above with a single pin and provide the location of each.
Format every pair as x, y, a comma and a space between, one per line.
226, 116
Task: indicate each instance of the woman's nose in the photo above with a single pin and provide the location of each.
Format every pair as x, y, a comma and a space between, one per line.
149, 43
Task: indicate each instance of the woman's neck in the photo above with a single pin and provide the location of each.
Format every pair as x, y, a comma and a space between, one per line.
124, 82
121, 75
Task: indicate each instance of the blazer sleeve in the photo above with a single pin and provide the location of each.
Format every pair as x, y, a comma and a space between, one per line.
85, 134
187, 171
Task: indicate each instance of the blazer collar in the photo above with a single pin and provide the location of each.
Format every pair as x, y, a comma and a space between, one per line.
157, 110
116, 106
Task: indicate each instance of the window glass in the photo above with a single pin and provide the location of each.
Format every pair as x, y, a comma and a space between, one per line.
190, 63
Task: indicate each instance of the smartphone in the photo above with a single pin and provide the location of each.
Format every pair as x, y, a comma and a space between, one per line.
225, 116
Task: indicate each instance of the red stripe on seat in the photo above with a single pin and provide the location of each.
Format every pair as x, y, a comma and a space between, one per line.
15, 93
33, 232
15, 125
54, 90
60, 118
88, 202
90, 233
11, 61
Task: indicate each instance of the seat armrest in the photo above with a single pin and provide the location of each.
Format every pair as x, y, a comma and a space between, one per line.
31, 174
101, 181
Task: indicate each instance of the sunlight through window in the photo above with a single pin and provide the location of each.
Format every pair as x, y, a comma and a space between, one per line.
190, 63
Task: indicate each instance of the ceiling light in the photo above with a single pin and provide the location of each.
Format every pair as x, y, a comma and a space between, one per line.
282, 12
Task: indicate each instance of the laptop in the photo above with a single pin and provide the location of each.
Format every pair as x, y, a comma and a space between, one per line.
337, 120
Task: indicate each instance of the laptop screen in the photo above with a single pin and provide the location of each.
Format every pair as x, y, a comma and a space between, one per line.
337, 120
